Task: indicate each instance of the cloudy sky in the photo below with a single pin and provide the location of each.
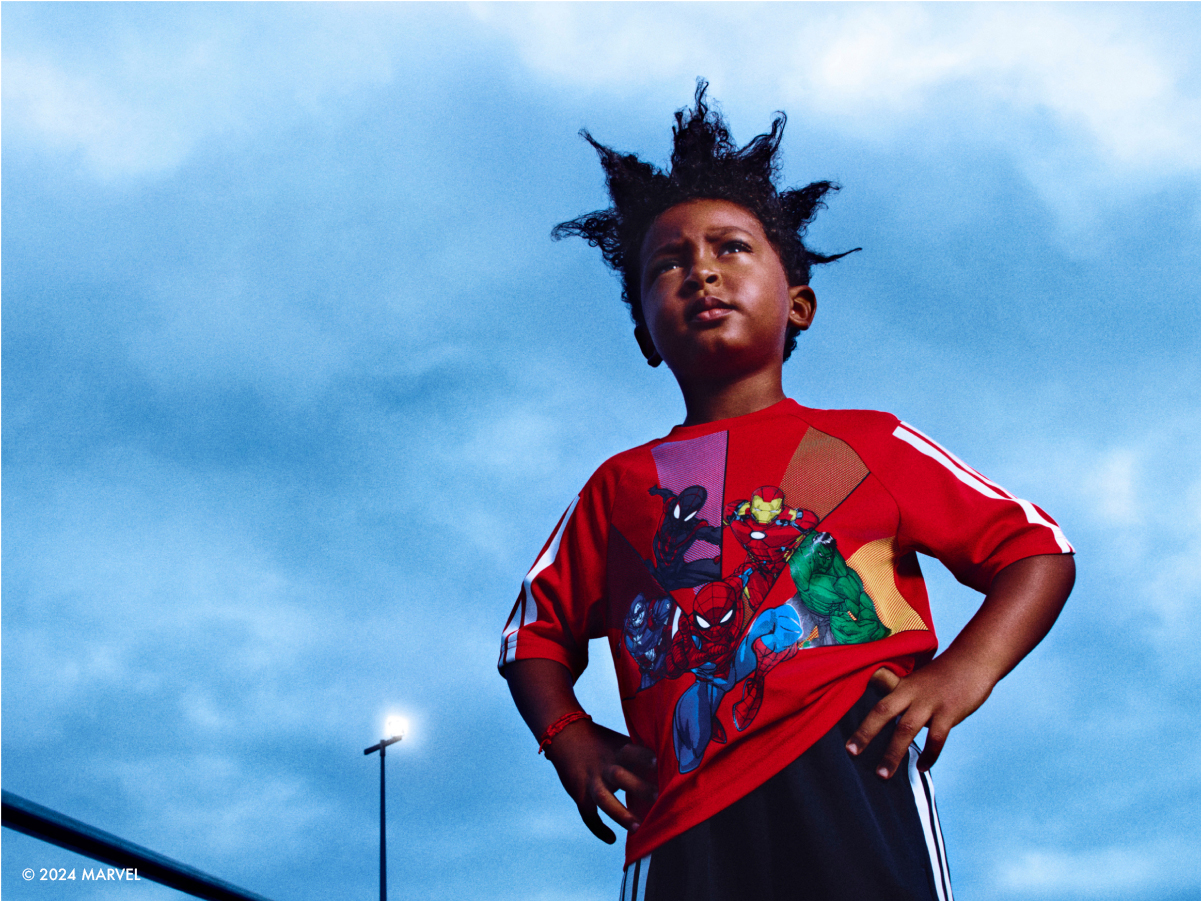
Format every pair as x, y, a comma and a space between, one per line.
295, 384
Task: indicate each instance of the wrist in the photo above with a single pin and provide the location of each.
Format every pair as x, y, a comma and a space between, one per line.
978, 670
554, 729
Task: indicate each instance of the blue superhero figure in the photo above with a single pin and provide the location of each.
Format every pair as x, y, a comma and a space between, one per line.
646, 637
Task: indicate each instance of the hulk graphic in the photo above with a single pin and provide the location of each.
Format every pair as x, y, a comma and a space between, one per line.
833, 592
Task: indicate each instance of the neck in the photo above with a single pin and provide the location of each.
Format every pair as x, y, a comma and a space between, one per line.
710, 401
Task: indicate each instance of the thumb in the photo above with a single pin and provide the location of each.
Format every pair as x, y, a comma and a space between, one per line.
885, 678
637, 759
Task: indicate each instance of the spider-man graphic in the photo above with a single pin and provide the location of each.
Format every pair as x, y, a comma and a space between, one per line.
681, 526
713, 645
705, 646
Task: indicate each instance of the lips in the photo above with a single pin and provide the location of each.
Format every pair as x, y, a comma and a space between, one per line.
708, 309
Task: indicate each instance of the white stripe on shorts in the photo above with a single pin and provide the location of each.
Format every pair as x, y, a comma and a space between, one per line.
633, 880
923, 797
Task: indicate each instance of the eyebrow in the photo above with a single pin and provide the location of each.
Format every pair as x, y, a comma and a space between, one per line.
725, 230
711, 235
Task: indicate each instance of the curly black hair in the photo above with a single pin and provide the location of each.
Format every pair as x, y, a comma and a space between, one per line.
705, 164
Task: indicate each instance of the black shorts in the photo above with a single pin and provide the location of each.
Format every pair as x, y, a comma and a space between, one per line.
826, 828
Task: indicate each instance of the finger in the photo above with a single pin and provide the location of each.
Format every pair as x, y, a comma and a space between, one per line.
619, 778
936, 738
908, 727
594, 823
877, 719
617, 812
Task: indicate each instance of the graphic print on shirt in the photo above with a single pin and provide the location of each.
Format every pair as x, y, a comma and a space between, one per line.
678, 616
832, 593
769, 530
822, 473
679, 529
687, 548
641, 608
685, 552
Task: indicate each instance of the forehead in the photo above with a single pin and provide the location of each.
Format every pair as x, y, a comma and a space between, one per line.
697, 218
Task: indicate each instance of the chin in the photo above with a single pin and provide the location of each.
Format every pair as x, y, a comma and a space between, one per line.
726, 361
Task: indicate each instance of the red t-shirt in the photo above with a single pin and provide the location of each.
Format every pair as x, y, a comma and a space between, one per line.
750, 575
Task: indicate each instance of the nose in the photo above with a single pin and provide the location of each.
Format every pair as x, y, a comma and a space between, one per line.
704, 272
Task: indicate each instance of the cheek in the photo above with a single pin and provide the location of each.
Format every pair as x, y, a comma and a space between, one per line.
771, 289
781, 303
658, 323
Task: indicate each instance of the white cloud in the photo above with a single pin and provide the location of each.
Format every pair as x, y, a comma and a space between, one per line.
1174, 589
522, 434
880, 69
1107, 871
1137, 523
216, 802
1118, 84
1111, 487
70, 112
135, 98
1084, 68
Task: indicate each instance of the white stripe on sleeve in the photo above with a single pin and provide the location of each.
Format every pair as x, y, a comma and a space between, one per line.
529, 606
973, 479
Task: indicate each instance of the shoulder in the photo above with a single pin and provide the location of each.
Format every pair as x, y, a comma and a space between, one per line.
610, 474
859, 428
891, 449
633, 458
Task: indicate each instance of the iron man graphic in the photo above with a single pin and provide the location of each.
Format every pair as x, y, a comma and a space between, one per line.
768, 528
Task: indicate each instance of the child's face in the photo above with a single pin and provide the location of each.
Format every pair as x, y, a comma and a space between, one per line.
715, 296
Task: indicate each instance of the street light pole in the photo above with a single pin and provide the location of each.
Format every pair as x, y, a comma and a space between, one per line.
396, 729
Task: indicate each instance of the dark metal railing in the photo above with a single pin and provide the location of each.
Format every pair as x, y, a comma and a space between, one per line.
49, 826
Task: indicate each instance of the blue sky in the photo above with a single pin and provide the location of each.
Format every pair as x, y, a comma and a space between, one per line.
295, 384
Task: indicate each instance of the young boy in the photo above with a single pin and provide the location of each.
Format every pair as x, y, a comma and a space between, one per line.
755, 572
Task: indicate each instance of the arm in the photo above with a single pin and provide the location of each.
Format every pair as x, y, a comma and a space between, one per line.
1021, 606
592, 762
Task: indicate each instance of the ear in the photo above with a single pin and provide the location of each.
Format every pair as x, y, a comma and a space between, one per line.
803, 308
646, 345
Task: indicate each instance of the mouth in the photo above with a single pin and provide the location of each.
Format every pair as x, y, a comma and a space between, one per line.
708, 309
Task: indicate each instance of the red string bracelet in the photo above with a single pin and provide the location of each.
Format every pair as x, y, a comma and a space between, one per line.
559, 725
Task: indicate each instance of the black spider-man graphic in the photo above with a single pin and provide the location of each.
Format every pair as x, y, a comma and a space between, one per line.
680, 527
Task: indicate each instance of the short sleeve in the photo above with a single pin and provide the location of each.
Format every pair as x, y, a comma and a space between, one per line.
562, 600
953, 513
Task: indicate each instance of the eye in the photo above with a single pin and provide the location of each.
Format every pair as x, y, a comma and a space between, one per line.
658, 267
676, 511
735, 247
689, 516
726, 617
702, 622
